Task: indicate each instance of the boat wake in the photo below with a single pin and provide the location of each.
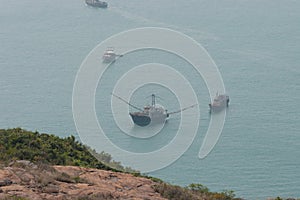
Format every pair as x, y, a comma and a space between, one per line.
197, 34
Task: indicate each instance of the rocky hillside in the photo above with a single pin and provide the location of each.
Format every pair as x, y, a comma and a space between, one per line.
41, 166
36, 182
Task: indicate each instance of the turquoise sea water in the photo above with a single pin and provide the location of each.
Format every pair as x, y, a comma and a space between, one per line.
256, 45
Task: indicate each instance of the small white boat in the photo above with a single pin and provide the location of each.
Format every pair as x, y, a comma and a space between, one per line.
109, 55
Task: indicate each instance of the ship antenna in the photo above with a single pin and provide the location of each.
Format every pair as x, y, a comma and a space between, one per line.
153, 99
127, 102
178, 111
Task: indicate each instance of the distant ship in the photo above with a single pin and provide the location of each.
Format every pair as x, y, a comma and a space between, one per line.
110, 55
96, 3
153, 113
220, 102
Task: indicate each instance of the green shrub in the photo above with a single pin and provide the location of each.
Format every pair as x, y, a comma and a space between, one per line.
19, 144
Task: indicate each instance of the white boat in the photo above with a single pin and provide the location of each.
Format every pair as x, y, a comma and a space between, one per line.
109, 55
220, 102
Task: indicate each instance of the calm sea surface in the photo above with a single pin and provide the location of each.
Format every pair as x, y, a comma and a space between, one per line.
255, 44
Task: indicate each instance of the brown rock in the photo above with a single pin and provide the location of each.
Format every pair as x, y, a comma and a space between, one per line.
47, 183
51, 189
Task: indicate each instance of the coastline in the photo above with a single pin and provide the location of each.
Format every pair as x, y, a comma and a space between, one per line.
31, 167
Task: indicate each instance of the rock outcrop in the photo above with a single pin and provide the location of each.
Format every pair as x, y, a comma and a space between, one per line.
36, 182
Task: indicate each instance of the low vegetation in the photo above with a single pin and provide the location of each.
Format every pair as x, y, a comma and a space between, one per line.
192, 192
19, 144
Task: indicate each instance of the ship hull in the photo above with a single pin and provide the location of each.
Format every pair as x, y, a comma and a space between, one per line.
109, 59
217, 108
140, 120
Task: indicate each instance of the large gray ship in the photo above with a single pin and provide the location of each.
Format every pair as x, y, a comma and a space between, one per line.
150, 114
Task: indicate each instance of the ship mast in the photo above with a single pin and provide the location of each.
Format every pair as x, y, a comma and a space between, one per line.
153, 100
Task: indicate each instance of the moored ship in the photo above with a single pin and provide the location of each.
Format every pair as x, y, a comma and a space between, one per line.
219, 103
151, 114
96, 3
